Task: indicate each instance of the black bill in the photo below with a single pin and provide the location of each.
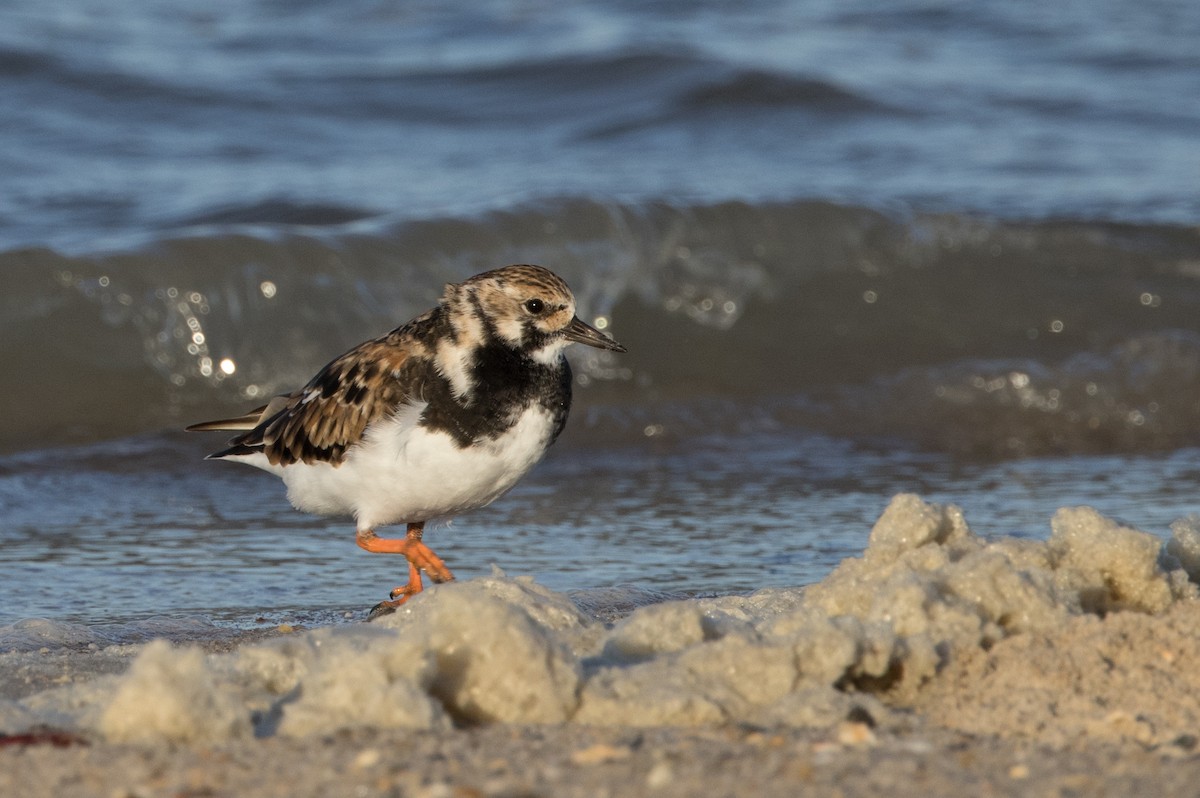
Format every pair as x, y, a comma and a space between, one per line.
583, 333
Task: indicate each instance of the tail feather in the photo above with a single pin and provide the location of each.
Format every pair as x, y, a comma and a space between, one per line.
243, 423
239, 424
234, 451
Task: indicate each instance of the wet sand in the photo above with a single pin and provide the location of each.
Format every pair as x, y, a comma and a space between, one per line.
561, 760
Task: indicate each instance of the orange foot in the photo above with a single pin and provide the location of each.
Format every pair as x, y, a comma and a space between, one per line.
420, 558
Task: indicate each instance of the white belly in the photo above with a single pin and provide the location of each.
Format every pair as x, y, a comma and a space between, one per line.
403, 473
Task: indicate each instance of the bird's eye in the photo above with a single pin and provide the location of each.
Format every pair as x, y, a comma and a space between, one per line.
535, 306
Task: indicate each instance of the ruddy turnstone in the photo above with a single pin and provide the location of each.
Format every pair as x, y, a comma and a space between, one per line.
439, 416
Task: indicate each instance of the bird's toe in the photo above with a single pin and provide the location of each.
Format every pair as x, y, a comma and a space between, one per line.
382, 608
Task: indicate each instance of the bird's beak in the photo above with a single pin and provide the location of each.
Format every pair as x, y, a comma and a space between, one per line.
583, 333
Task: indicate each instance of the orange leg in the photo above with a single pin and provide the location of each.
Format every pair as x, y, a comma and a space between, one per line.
420, 558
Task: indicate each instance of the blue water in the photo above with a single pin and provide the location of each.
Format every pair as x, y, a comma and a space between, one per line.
140, 529
853, 249
124, 123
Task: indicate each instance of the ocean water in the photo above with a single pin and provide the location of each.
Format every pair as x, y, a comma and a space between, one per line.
853, 251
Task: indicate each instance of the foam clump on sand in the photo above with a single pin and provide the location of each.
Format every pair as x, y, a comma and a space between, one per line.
927, 601
172, 693
1183, 548
939, 588
483, 651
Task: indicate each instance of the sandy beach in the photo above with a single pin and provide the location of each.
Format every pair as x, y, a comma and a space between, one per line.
568, 761
937, 663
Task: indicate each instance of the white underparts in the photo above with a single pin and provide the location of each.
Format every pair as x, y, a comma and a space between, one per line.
401, 472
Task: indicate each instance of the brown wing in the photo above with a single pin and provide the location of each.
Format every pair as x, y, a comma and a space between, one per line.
319, 422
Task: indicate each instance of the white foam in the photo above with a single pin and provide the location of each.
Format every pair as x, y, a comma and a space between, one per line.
176, 694
926, 591
33, 634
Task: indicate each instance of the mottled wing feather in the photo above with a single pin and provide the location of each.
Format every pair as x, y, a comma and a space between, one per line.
319, 422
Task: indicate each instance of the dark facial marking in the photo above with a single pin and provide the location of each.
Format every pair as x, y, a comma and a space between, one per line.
505, 383
489, 328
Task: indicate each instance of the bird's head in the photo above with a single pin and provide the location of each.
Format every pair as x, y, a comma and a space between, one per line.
527, 308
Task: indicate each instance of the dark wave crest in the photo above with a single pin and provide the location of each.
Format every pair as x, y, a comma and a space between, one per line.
953, 333
754, 88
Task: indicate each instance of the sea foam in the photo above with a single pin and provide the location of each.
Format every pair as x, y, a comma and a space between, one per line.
863, 642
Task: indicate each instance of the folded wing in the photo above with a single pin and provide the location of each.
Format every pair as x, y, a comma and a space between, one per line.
319, 422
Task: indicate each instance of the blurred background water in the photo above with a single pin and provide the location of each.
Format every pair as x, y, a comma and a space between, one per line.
853, 249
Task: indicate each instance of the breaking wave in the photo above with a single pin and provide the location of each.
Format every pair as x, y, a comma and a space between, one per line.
966, 334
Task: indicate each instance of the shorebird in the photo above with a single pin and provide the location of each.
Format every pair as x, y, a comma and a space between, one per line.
441, 415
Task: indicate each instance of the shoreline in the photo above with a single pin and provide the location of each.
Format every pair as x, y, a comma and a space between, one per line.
937, 663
